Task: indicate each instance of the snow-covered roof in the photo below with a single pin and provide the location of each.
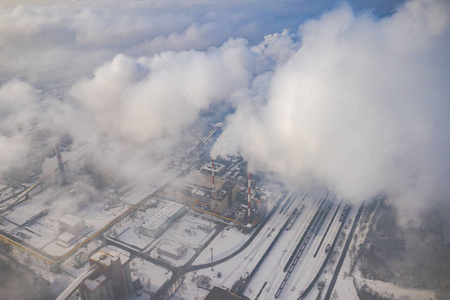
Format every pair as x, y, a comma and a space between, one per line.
106, 254
70, 220
66, 237
163, 215
217, 167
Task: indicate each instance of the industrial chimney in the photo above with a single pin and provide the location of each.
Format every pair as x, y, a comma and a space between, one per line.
248, 200
213, 188
60, 165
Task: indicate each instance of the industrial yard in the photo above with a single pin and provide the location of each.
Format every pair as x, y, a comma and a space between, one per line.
200, 223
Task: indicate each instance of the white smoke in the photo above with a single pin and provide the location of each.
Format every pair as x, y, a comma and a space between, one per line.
19, 109
136, 109
362, 106
355, 101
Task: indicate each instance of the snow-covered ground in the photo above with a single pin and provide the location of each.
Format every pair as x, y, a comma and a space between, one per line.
152, 276
44, 231
69, 266
271, 271
190, 231
177, 262
125, 231
227, 242
138, 193
227, 273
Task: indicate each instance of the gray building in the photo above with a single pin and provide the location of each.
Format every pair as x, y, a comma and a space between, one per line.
112, 279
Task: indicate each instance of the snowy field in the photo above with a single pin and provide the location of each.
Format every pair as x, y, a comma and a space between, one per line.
152, 276
227, 273
138, 193
190, 231
44, 231
227, 242
176, 262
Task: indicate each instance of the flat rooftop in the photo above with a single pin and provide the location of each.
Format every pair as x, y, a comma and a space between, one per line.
107, 254
162, 216
70, 220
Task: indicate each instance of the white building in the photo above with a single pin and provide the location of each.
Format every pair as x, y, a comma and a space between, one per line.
158, 223
71, 224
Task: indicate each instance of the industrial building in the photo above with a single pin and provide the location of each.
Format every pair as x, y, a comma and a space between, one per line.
225, 196
71, 224
218, 293
199, 187
112, 277
171, 249
158, 223
219, 169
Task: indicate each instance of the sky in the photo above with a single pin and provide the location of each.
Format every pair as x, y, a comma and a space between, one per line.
352, 95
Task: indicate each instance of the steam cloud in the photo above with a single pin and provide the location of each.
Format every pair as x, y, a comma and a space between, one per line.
18, 110
355, 101
362, 106
140, 107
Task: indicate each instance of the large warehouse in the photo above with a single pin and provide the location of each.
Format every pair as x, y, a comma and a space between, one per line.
158, 223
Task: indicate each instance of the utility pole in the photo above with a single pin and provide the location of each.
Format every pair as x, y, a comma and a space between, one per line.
212, 261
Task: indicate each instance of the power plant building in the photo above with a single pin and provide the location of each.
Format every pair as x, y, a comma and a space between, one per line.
225, 196
219, 169
199, 187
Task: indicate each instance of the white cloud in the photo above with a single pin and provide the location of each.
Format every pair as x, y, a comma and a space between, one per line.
356, 101
135, 109
362, 106
19, 109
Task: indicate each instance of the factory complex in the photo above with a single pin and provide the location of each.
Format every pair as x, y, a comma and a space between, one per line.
53, 219
193, 227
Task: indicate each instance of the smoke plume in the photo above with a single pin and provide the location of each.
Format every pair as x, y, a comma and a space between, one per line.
356, 99
361, 106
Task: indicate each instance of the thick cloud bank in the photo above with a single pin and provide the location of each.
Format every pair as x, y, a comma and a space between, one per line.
18, 110
55, 45
133, 111
355, 100
362, 106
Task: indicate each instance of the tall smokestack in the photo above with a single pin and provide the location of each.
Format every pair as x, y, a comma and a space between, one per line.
213, 188
60, 165
248, 200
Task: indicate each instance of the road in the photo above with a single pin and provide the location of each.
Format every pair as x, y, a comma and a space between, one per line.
76, 283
